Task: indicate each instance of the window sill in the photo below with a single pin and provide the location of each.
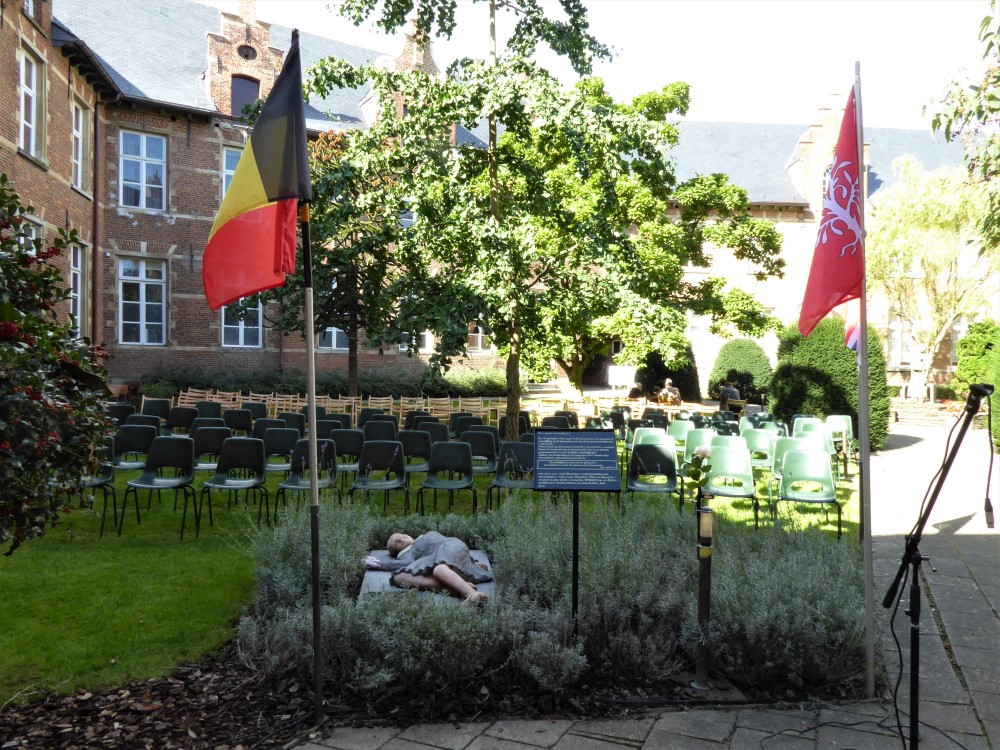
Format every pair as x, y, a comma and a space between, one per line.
137, 345
84, 193
35, 22
145, 211
41, 163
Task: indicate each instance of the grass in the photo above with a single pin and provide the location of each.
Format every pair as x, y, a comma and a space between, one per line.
90, 612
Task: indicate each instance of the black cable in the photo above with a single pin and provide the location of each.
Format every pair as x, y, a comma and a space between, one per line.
899, 654
988, 507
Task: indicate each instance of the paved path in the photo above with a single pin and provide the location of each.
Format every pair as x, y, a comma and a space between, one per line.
959, 685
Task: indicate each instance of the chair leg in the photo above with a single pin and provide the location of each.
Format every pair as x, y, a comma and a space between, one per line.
114, 505
184, 514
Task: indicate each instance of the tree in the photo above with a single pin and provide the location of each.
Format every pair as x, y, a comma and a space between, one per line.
819, 375
563, 232
971, 112
976, 353
51, 382
923, 251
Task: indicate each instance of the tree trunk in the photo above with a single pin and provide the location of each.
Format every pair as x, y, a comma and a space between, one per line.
514, 384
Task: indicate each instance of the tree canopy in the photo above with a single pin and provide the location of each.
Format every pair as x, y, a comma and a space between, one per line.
923, 250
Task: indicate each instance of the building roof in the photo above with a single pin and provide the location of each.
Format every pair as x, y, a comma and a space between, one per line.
756, 156
157, 51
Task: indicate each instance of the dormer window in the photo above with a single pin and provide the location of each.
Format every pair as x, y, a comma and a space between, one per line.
245, 91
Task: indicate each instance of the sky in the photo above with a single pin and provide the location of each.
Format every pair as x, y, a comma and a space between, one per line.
746, 60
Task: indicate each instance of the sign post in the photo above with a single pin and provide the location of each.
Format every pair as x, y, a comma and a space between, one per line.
576, 461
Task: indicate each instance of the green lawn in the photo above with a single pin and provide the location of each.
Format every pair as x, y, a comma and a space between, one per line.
83, 611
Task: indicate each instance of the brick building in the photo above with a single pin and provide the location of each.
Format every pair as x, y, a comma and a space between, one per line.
48, 105
122, 120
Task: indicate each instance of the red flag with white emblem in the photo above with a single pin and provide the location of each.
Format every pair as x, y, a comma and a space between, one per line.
838, 265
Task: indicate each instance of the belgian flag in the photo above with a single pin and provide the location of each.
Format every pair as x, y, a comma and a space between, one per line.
252, 243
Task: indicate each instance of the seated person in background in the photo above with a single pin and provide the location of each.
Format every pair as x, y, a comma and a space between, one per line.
636, 391
727, 394
670, 395
433, 562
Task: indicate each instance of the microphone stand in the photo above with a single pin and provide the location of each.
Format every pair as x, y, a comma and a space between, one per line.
912, 557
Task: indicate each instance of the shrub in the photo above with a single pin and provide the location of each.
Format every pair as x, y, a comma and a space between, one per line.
819, 375
743, 363
653, 372
51, 382
456, 382
787, 609
975, 353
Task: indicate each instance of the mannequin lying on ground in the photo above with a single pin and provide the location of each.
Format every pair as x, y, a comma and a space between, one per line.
433, 562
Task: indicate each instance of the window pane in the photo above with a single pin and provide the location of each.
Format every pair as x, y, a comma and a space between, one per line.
129, 268
130, 333
154, 197
154, 293
132, 144
154, 269
130, 196
251, 337
154, 334
154, 174
130, 293
154, 313
230, 336
154, 147
131, 170
232, 159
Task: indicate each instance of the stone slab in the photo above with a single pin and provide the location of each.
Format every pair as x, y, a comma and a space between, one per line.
539, 733
377, 581
453, 736
707, 724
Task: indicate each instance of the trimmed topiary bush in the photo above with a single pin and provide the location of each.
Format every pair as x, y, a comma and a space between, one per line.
743, 363
819, 375
976, 352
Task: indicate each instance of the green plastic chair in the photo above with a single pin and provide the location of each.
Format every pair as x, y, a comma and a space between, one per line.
514, 471
173, 452
652, 469
806, 477
760, 443
299, 480
382, 468
730, 474
449, 469
782, 446
696, 438
241, 468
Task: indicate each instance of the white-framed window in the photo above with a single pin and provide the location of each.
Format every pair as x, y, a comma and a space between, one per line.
142, 181
79, 152
142, 306
28, 6
30, 231
425, 342
77, 287
333, 338
958, 332
616, 347
31, 137
477, 339
230, 158
246, 333
899, 343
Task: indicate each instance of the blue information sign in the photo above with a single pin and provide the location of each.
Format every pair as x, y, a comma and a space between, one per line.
585, 460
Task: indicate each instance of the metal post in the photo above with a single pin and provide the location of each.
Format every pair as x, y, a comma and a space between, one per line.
703, 655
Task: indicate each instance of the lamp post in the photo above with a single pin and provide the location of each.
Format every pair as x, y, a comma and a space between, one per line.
706, 529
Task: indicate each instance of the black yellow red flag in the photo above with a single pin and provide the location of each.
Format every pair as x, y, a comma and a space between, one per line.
252, 243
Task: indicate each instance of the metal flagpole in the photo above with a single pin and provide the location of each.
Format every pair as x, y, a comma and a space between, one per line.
313, 463
864, 421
